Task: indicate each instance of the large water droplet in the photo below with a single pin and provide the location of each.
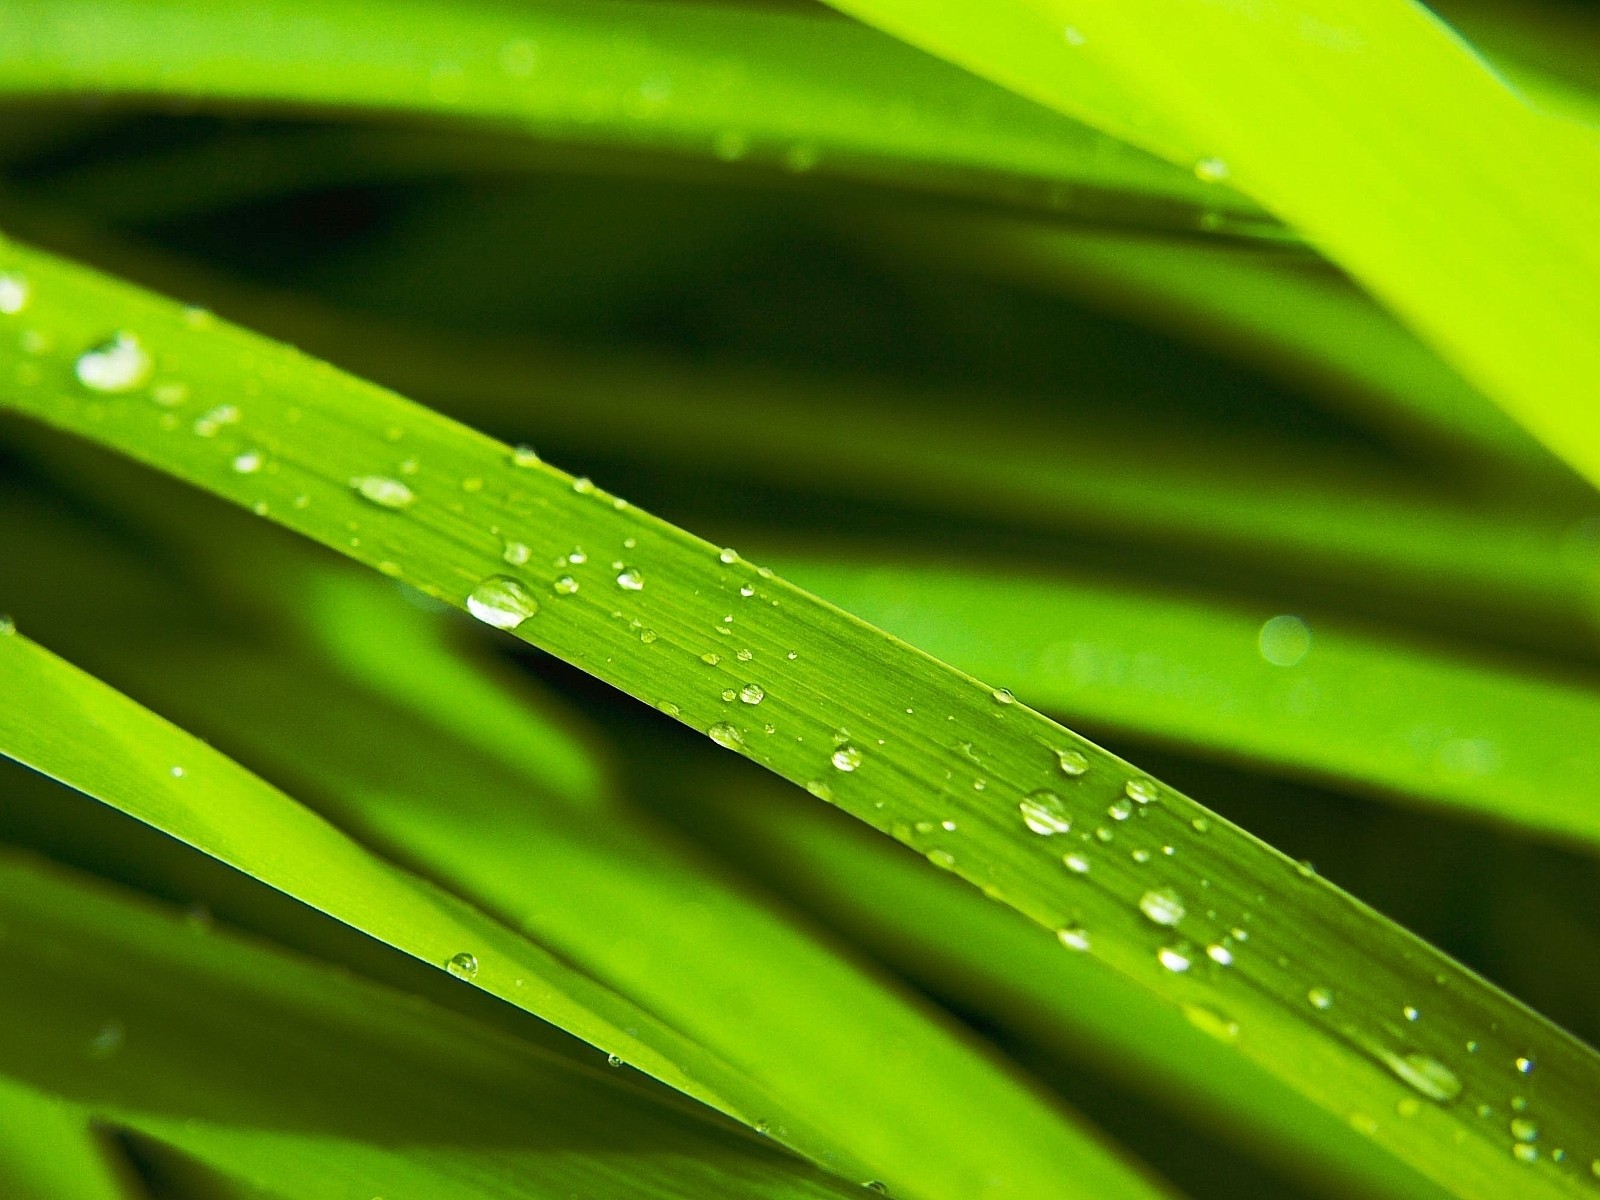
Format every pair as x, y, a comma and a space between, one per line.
1525, 1152
1525, 1065
1076, 863
121, 364
248, 463
1174, 958
752, 693
1073, 762
383, 491
502, 602
1140, 791
726, 736
1162, 905
524, 455
630, 580
565, 586
1043, 812
1425, 1074
1003, 696
846, 758
1121, 810
1284, 640
1073, 937
463, 965
517, 553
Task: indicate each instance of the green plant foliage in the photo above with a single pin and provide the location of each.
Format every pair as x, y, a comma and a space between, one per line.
1213, 378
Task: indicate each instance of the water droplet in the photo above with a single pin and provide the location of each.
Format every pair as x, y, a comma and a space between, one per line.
1073, 762
1200, 825
876, 1185
1320, 998
1423, 1073
524, 455
1076, 863
517, 553
383, 491
8, 625
1410, 1013
247, 463
710, 659
819, 789
942, 859
1210, 170
1162, 905
118, 365
502, 602
1120, 811
726, 736
668, 707
463, 965
1140, 856
577, 558
14, 294
1525, 1066
583, 485
752, 693
1174, 958
629, 580
728, 694
743, 655
1524, 1152
1524, 1129
1043, 812
565, 586
846, 758
1073, 937
1140, 791
209, 423
647, 636
1284, 640
1003, 696
1219, 954
615, 1060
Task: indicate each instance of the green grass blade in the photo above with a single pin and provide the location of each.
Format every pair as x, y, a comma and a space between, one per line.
50, 1151
1336, 702
682, 947
314, 1085
1372, 131
949, 765
786, 91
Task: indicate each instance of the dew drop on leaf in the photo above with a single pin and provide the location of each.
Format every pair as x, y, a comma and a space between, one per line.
565, 586
629, 580
502, 602
1073, 762
846, 758
117, 365
463, 965
1319, 998
1073, 937
1140, 791
1003, 696
726, 736
247, 463
1043, 812
1076, 863
524, 455
517, 553
1174, 958
383, 491
752, 693
1524, 1129
1162, 905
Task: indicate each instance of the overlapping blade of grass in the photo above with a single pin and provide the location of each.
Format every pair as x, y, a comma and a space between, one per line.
789, 91
1279, 510
1371, 130
1301, 979
1323, 699
1288, 313
607, 892
814, 1031
314, 1085
50, 1151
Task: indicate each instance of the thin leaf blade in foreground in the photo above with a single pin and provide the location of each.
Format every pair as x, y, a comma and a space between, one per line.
981, 785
